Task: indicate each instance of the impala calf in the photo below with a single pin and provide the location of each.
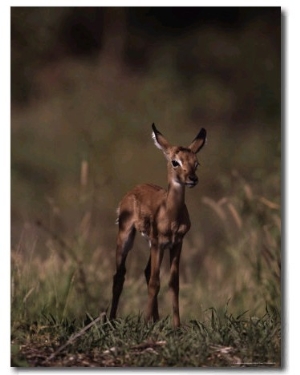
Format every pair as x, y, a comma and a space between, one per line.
162, 217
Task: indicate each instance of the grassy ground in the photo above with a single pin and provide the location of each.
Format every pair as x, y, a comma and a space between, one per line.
218, 340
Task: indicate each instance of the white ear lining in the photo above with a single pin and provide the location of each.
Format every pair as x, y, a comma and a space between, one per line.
155, 141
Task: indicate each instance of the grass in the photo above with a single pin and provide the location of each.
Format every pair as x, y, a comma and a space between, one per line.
231, 317
220, 340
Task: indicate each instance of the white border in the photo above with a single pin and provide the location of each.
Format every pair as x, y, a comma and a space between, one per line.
292, 184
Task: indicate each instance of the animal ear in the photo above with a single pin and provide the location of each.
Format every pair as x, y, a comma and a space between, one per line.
159, 140
199, 141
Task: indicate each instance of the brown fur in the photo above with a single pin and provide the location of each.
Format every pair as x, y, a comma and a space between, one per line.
162, 217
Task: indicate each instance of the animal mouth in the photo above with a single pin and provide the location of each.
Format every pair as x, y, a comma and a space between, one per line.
191, 184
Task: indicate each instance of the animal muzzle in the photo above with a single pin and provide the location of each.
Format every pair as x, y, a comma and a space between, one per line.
192, 181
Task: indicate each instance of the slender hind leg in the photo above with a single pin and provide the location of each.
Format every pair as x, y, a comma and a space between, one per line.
147, 276
124, 244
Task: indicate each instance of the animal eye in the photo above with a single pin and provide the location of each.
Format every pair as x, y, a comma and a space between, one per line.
175, 163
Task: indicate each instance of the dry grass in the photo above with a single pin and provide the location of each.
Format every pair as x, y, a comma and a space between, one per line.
242, 266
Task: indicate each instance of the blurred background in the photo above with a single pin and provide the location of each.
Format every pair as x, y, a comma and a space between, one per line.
86, 85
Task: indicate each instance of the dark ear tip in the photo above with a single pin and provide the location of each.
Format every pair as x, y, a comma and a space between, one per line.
202, 134
155, 129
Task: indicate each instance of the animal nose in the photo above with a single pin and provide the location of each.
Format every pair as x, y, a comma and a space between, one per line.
193, 178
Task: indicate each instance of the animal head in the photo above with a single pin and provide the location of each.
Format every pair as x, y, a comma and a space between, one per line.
182, 161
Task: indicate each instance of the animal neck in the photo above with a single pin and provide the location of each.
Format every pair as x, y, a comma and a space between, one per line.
175, 198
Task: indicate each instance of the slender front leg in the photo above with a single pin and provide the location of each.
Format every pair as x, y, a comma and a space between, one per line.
156, 256
174, 281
